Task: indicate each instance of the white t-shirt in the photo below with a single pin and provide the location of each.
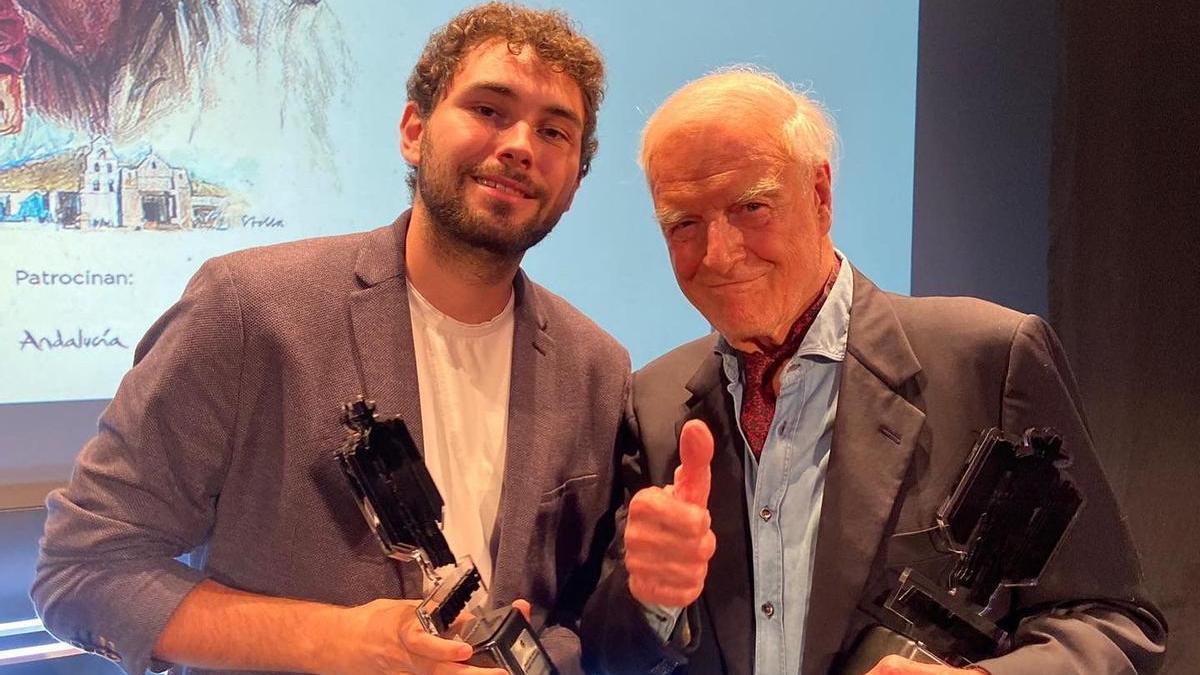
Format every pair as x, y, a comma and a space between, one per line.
463, 374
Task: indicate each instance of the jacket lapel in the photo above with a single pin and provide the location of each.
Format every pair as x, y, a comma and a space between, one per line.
726, 600
379, 319
533, 388
873, 439
383, 344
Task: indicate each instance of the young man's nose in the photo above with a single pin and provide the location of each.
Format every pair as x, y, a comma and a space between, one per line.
516, 145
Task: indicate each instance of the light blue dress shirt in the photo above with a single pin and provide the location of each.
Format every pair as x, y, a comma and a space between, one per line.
784, 487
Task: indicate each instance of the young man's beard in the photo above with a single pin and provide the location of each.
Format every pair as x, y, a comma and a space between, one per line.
442, 191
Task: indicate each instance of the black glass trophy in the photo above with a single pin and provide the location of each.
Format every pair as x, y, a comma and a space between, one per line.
1003, 521
403, 507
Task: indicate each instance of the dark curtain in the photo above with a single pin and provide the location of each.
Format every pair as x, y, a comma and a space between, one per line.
1124, 273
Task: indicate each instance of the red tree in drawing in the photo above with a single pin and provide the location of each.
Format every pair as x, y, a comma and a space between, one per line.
110, 66
14, 53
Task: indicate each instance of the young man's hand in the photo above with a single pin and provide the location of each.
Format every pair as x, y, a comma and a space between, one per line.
385, 637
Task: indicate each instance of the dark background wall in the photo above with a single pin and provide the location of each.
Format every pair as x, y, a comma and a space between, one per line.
1058, 172
986, 77
1125, 274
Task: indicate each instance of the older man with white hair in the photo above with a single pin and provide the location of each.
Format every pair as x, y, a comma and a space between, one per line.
828, 419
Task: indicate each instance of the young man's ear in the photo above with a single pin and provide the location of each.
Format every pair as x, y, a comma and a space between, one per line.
411, 126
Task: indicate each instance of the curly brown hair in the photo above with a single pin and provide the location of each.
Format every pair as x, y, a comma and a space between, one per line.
550, 32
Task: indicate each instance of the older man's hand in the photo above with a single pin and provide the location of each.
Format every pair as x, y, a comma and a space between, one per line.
898, 665
668, 534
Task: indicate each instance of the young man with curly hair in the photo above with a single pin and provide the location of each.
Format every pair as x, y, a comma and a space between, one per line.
220, 440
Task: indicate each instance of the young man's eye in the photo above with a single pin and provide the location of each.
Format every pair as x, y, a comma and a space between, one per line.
554, 134
486, 111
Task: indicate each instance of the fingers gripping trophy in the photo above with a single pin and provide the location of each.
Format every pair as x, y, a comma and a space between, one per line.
402, 505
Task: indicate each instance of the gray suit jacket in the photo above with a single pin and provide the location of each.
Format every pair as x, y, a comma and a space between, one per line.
220, 442
922, 377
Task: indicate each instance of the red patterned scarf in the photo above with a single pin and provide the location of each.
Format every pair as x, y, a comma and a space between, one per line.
758, 372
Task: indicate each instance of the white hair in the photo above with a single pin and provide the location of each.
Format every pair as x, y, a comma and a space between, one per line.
807, 132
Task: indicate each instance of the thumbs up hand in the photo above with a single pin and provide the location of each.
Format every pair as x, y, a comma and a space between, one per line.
668, 533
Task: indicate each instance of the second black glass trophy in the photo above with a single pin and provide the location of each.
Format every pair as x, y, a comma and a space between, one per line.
1003, 521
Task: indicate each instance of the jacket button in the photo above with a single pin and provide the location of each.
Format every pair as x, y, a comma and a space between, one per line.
768, 610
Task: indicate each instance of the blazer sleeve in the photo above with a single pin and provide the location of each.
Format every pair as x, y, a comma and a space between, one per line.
144, 490
615, 634
1089, 613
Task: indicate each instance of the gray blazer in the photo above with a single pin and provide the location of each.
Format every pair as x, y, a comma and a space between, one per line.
220, 443
922, 377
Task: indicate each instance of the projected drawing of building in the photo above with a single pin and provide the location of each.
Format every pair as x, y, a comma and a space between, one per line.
90, 188
42, 193
98, 188
152, 195
155, 196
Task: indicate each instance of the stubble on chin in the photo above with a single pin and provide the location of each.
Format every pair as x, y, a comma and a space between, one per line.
489, 230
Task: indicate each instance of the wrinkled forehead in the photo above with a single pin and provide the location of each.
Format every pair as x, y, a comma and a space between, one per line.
711, 152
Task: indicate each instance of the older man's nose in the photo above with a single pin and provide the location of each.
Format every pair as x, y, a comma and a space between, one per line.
723, 246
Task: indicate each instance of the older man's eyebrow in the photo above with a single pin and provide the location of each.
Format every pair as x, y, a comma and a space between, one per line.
767, 185
507, 92
668, 216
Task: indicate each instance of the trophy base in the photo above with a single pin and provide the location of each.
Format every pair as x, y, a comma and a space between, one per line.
878, 642
502, 638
